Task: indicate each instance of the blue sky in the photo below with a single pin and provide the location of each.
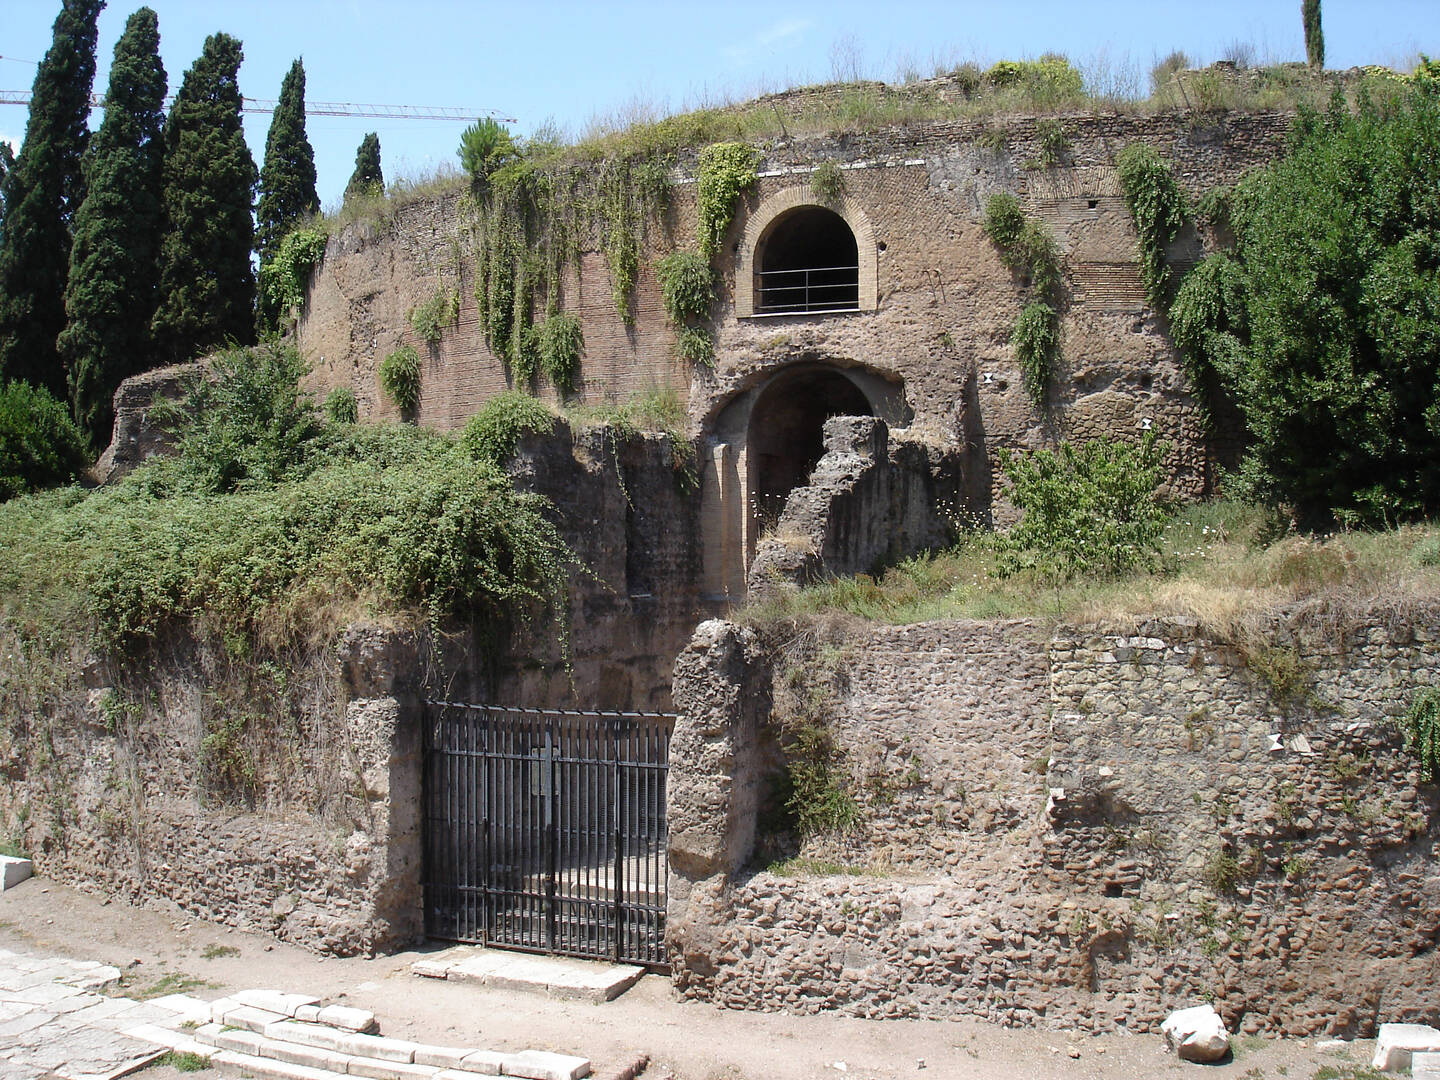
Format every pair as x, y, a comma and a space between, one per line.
567, 63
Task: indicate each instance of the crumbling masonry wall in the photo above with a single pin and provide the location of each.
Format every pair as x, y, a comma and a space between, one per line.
1085, 828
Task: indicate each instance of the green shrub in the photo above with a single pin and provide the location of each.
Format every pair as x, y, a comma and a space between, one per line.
1205, 320
1003, 220
1159, 210
1087, 511
400, 377
429, 319
1048, 81
1036, 341
341, 406
245, 423
687, 286
1422, 733
485, 146
40, 446
725, 170
561, 343
493, 433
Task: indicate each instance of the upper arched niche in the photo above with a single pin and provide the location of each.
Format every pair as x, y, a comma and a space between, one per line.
798, 257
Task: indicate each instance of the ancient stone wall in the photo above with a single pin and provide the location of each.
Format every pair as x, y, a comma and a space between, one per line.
1088, 828
189, 784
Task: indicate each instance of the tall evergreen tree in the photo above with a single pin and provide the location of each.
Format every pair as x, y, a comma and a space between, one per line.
367, 177
110, 297
1314, 36
207, 287
42, 192
7, 162
287, 179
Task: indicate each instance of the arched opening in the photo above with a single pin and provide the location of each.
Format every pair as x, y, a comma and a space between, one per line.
787, 433
807, 261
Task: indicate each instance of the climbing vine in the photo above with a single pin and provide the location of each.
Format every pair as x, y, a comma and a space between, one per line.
1027, 247
726, 170
429, 318
400, 377
687, 289
285, 275
561, 343
1159, 209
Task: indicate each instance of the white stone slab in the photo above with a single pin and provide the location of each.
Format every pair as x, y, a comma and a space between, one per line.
250, 1018
179, 1041
187, 1009
558, 976
484, 1062
1425, 1066
319, 1035
14, 870
542, 1065
274, 1000
379, 1048
446, 1057
390, 1070
269, 1068
1396, 1042
308, 1013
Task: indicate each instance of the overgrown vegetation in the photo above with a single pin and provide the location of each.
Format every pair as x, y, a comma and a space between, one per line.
400, 377
285, 275
687, 289
1159, 210
724, 172
493, 433
40, 446
1321, 325
827, 183
561, 344
659, 411
341, 407
1027, 247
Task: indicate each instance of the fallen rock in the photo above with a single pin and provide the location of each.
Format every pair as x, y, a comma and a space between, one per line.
1196, 1034
1397, 1042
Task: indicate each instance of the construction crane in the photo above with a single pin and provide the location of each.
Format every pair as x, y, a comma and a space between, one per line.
319, 108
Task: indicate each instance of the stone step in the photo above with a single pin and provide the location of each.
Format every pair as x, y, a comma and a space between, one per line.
557, 976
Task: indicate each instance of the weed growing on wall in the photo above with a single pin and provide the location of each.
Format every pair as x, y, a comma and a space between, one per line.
1036, 341
1159, 209
400, 377
429, 318
1422, 733
726, 170
827, 183
656, 410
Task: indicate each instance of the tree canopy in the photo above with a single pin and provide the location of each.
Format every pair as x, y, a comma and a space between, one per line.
1325, 328
367, 177
42, 192
110, 295
287, 178
207, 286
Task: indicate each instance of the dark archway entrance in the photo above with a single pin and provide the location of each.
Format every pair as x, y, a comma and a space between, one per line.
787, 432
807, 261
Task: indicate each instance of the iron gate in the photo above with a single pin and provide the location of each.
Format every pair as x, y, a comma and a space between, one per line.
545, 830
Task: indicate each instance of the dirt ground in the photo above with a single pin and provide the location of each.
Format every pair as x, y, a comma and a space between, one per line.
163, 952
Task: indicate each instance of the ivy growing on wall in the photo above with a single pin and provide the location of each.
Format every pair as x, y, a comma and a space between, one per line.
1422, 733
400, 377
429, 319
1027, 247
1159, 209
285, 275
725, 171
561, 343
687, 289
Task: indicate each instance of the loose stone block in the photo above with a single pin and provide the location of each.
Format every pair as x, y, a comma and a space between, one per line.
297, 1031
378, 1047
1425, 1066
342, 1016
1397, 1042
445, 1057
274, 1000
484, 1062
14, 870
390, 1070
250, 1018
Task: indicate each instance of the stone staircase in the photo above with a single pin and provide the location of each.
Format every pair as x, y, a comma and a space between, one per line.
276, 1036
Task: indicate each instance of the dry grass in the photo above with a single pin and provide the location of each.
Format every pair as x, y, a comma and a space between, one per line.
1221, 569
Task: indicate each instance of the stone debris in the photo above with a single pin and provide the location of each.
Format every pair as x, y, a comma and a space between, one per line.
1397, 1042
53, 1024
1196, 1034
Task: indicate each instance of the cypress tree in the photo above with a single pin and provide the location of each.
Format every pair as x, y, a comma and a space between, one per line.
207, 287
7, 162
367, 177
42, 192
1314, 36
110, 297
287, 179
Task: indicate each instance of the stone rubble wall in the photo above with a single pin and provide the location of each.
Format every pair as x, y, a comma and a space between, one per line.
1089, 828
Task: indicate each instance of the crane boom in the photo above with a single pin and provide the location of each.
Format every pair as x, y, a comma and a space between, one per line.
319, 108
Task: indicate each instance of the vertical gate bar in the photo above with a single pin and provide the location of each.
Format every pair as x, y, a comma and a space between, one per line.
551, 835
617, 886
